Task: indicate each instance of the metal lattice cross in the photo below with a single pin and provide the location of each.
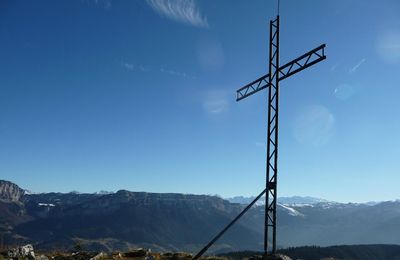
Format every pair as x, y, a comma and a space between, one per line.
271, 81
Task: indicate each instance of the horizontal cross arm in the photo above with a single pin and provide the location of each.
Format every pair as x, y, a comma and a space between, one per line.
304, 61
252, 88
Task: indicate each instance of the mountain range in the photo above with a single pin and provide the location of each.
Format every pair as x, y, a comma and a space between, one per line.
184, 222
294, 200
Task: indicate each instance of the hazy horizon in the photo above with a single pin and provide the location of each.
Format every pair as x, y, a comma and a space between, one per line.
208, 194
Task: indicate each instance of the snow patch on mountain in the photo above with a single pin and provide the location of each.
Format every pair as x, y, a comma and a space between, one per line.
290, 201
104, 192
291, 211
46, 205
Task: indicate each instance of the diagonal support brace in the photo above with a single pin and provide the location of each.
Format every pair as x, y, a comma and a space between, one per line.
202, 251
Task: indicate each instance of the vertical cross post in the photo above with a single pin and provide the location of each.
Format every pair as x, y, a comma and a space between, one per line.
272, 137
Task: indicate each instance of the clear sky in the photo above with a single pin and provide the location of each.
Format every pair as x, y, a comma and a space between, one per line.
140, 95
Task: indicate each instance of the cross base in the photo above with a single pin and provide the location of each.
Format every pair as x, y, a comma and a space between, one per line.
276, 257
270, 257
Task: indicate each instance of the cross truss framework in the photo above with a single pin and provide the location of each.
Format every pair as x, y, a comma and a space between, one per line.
271, 81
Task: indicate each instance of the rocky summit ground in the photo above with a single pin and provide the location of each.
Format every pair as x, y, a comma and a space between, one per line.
27, 253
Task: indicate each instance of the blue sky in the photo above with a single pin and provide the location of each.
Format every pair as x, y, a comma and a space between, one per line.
140, 95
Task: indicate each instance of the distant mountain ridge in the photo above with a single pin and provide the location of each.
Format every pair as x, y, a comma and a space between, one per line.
282, 200
184, 222
123, 220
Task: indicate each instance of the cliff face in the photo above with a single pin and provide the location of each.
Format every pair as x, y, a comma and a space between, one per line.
12, 207
10, 191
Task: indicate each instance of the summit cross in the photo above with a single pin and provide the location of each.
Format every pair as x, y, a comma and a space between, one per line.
271, 81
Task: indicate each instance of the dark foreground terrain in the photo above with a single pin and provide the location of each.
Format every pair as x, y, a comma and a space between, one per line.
348, 252
27, 253
345, 252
